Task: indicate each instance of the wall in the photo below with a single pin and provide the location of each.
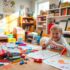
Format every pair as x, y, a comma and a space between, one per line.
25, 3
32, 5
11, 21
51, 1
1, 6
54, 1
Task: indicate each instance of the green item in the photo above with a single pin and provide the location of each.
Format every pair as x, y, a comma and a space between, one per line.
68, 19
10, 36
20, 39
69, 43
1, 64
14, 58
57, 22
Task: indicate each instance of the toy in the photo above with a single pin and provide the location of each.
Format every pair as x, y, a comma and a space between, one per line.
10, 35
25, 62
23, 56
22, 44
34, 50
18, 43
21, 62
26, 59
38, 60
3, 54
15, 61
28, 51
1, 64
14, 58
11, 40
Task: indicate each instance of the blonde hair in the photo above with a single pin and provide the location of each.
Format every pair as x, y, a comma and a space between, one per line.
56, 27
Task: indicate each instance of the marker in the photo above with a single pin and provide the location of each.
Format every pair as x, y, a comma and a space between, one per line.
64, 51
38, 60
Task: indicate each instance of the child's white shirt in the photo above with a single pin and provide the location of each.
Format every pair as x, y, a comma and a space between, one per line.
62, 41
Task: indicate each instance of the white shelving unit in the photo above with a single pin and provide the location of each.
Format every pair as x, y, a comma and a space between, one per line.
41, 23
57, 14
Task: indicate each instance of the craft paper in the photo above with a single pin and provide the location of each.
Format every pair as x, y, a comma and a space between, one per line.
59, 61
42, 54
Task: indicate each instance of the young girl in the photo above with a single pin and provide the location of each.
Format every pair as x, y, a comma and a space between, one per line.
56, 40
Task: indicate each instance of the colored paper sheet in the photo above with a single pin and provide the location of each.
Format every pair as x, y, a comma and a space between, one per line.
42, 54
59, 61
28, 46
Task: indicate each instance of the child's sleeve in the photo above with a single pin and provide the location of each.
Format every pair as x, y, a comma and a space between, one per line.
44, 40
65, 44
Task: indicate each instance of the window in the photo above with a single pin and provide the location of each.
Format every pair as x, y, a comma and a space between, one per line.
43, 6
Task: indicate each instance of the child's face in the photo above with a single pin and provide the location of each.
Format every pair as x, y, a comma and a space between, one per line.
56, 35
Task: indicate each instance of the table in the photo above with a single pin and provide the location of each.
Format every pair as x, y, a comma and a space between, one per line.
29, 66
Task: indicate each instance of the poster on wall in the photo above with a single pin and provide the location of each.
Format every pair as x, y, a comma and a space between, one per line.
8, 6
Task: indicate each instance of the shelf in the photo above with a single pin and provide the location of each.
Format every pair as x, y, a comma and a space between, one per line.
27, 17
58, 8
27, 23
53, 9
54, 17
40, 26
41, 21
64, 7
39, 16
58, 16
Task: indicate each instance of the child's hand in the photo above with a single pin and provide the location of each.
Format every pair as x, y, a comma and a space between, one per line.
49, 42
56, 45
43, 46
53, 44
